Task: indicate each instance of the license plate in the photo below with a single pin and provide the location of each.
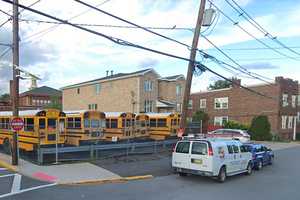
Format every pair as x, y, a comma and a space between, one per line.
197, 161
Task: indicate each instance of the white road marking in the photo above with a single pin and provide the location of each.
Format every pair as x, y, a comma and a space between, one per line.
2, 169
16, 186
27, 190
7, 175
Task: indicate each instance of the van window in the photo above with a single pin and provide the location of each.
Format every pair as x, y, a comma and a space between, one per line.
243, 149
236, 149
230, 149
183, 147
199, 148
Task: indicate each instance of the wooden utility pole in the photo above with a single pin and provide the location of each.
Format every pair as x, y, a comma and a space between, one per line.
15, 90
191, 66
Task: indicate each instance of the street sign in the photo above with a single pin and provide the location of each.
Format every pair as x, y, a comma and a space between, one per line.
17, 124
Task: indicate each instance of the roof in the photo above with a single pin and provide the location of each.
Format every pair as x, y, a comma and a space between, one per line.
172, 78
111, 77
165, 104
44, 90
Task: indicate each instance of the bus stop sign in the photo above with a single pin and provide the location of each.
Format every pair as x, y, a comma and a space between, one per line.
17, 124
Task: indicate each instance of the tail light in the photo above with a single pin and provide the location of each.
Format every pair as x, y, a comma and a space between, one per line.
210, 151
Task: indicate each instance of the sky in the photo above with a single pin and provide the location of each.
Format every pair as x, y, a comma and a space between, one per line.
63, 55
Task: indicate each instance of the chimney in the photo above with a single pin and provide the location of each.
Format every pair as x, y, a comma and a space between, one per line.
279, 79
107, 72
236, 83
112, 72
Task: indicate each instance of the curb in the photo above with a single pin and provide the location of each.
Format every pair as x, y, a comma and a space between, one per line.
8, 166
104, 181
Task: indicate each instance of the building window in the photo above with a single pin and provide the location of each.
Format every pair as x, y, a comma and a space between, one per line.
294, 97
220, 121
190, 104
283, 122
189, 119
178, 106
285, 100
298, 100
148, 106
34, 102
221, 103
202, 103
148, 86
97, 88
78, 90
178, 90
298, 117
290, 123
93, 106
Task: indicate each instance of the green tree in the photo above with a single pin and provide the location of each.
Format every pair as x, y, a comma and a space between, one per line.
220, 84
236, 125
260, 128
55, 103
5, 97
200, 115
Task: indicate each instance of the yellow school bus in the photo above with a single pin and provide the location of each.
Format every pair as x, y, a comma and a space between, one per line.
119, 126
141, 128
41, 128
163, 125
84, 127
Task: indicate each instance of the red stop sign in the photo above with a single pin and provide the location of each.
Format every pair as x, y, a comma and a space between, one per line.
17, 124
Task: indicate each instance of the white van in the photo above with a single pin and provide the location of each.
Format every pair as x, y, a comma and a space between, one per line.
211, 157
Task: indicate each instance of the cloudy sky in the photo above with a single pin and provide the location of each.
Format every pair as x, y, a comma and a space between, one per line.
62, 55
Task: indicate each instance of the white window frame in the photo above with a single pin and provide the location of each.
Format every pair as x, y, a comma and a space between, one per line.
283, 121
178, 90
285, 101
294, 98
97, 88
148, 106
219, 120
190, 104
298, 117
178, 107
290, 122
298, 99
222, 101
148, 85
202, 103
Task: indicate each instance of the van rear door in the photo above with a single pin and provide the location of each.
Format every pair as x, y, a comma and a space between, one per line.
200, 160
181, 155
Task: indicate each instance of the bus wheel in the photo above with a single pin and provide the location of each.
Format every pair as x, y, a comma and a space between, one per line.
7, 146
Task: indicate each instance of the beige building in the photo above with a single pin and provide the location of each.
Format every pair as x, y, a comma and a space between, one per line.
140, 91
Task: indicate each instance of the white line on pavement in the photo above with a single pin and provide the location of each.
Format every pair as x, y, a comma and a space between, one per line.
27, 190
16, 186
7, 175
2, 169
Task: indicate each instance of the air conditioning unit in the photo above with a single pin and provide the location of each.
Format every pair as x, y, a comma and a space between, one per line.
208, 16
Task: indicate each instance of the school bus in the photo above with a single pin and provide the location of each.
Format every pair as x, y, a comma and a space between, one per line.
163, 125
119, 126
41, 128
84, 127
141, 128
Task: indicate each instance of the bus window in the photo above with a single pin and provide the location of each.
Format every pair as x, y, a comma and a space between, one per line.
51, 123
152, 122
107, 123
28, 124
70, 122
114, 123
94, 123
42, 123
77, 122
86, 123
161, 123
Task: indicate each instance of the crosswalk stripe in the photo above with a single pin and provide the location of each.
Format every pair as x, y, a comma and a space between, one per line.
16, 186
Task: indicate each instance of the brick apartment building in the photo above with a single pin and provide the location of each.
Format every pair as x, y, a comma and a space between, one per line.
140, 91
240, 105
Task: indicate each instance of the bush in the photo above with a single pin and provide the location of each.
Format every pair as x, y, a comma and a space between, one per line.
200, 116
260, 128
235, 125
298, 136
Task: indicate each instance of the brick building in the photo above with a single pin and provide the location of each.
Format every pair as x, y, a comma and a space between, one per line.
240, 105
140, 91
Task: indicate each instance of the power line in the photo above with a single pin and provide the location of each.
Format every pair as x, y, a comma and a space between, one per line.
173, 40
126, 43
252, 21
5, 12
254, 48
250, 34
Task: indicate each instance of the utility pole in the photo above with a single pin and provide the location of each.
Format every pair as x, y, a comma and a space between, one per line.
15, 90
191, 67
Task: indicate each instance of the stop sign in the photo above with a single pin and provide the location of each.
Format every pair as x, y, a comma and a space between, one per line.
17, 124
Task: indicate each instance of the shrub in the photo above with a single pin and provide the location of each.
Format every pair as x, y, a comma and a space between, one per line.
260, 128
235, 125
200, 116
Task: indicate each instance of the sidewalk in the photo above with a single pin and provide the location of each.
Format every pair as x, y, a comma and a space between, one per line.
61, 174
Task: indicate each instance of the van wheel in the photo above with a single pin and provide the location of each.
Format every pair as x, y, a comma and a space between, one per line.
249, 169
222, 175
7, 146
182, 174
259, 165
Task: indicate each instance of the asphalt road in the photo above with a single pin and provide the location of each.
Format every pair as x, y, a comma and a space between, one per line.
277, 182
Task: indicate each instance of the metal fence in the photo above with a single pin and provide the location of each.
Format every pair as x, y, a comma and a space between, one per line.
92, 152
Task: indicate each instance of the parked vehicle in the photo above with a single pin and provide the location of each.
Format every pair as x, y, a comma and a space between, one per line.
211, 157
261, 155
235, 134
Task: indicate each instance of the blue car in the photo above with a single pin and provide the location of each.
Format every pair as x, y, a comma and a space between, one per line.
261, 155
